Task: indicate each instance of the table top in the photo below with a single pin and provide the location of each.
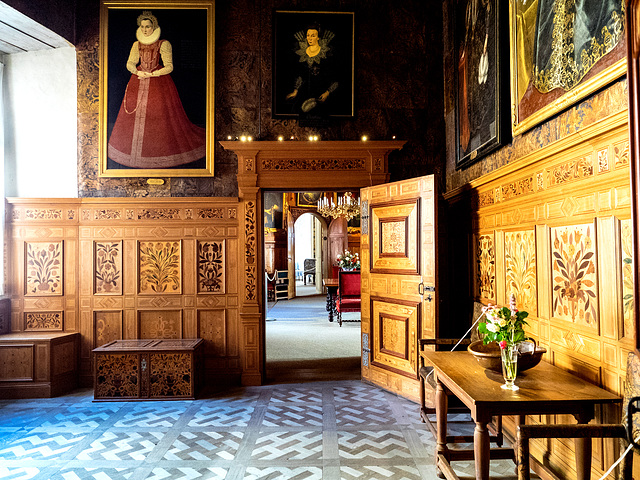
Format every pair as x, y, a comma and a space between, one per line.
543, 389
330, 282
149, 344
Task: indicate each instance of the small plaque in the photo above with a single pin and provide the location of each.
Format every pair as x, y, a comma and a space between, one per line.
155, 181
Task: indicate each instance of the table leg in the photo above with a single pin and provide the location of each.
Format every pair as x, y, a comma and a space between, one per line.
331, 304
583, 449
481, 450
442, 407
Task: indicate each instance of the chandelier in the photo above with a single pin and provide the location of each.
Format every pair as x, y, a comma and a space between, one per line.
347, 207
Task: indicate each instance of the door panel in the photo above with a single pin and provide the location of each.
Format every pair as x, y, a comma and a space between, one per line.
398, 253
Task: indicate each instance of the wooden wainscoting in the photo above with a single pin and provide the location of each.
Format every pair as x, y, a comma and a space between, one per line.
113, 269
554, 229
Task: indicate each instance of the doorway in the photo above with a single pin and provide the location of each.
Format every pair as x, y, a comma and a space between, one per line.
301, 344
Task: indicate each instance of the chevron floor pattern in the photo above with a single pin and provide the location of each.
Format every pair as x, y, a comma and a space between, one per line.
319, 430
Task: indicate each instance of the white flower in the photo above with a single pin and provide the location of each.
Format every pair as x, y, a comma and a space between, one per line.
502, 322
492, 327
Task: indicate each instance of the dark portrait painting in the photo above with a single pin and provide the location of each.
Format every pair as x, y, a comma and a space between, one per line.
273, 210
313, 65
156, 118
481, 73
561, 55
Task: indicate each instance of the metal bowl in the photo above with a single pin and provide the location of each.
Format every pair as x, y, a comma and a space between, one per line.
488, 356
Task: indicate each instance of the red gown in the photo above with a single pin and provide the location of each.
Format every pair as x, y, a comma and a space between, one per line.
152, 129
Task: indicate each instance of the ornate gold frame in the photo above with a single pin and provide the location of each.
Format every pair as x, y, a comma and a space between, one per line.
105, 7
580, 92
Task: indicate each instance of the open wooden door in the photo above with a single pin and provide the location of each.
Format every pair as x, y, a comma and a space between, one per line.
398, 255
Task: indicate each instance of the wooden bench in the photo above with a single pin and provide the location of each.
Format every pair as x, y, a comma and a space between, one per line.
38, 364
148, 369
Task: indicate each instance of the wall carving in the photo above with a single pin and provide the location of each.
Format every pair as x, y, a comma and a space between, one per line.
160, 267
520, 268
43, 321
158, 214
43, 268
211, 263
575, 296
43, 214
626, 233
165, 324
313, 164
250, 250
486, 267
108, 268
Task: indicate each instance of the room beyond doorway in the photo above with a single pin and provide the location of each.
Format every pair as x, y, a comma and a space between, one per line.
300, 247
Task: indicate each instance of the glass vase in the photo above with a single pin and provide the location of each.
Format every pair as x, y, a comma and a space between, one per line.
509, 356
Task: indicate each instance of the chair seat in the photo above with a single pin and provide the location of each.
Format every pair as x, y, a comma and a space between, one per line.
348, 304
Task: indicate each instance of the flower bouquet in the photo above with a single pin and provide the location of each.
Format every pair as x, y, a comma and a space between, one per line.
349, 261
506, 327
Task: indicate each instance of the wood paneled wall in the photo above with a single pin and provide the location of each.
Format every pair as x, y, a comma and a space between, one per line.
554, 229
129, 268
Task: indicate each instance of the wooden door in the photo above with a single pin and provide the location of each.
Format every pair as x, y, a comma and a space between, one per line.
337, 238
398, 254
291, 254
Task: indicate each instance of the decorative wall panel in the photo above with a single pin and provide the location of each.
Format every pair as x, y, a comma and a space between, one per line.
394, 238
43, 321
108, 268
132, 270
43, 268
160, 324
575, 295
211, 266
520, 269
486, 267
160, 267
107, 327
627, 277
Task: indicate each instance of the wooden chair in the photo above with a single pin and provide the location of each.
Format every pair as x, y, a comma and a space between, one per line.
632, 391
428, 386
309, 266
348, 293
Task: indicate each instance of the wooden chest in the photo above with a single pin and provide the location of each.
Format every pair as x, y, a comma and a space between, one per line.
147, 369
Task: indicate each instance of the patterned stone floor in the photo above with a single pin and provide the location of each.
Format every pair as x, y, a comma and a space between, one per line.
322, 430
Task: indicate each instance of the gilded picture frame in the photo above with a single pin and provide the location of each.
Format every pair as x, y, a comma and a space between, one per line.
325, 88
531, 106
481, 83
178, 57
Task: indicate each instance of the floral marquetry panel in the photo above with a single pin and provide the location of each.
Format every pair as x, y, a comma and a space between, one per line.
575, 294
43, 268
117, 376
160, 324
170, 375
211, 266
43, 321
627, 276
107, 268
486, 267
160, 267
520, 269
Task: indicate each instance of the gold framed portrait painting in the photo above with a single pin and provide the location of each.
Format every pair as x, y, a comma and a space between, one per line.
156, 88
560, 55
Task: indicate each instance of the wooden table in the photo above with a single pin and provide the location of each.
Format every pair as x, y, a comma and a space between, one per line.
148, 369
331, 284
544, 389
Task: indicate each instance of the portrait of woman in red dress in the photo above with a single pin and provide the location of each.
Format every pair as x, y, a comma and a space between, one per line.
152, 130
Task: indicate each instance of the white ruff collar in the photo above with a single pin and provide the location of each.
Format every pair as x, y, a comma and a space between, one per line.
150, 39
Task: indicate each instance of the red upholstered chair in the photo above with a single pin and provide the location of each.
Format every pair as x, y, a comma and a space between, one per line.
348, 293
335, 269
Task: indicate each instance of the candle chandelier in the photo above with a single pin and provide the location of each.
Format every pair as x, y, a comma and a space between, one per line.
346, 207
